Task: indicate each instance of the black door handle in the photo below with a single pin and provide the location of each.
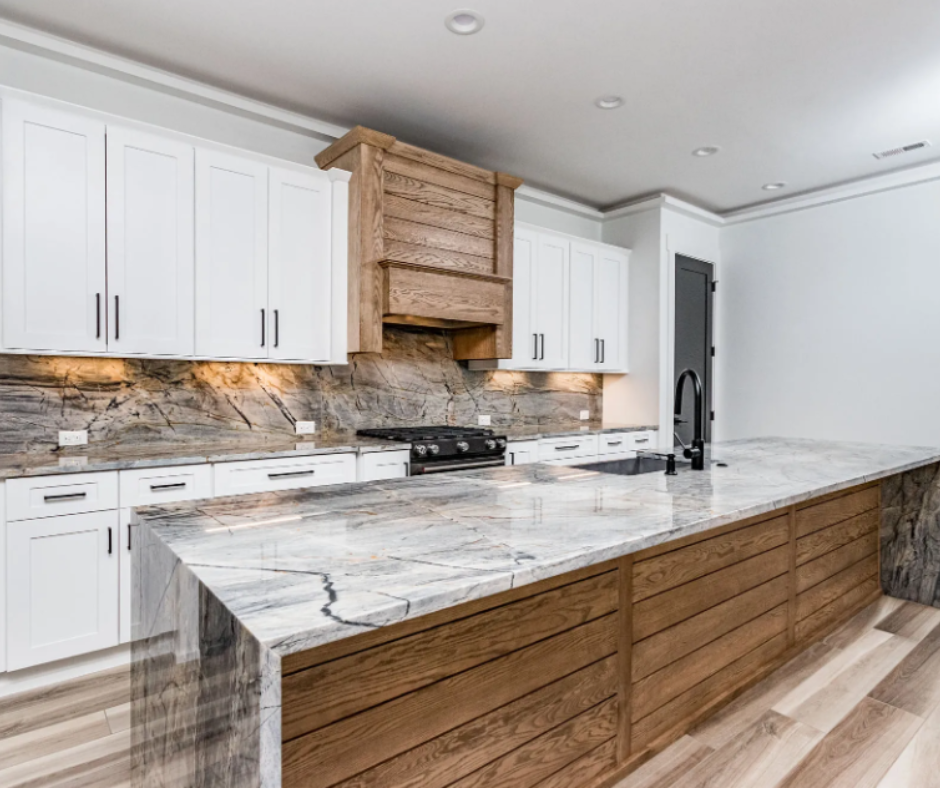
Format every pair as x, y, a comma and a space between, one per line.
277, 327
542, 355
97, 315
262, 327
128, 537
110, 540
535, 352
117, 317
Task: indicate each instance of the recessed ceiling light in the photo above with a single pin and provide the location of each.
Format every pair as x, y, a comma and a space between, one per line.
708, 150
464, 22
609, 102
772, 187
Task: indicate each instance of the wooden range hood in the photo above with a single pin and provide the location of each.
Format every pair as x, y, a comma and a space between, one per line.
430, 244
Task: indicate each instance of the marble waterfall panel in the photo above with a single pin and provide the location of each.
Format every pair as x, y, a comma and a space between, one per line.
910, 535
205, 694
415, 381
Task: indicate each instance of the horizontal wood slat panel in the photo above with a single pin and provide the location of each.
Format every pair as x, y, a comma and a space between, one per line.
673, 569
824, 567
681, 712
402, 252
460, 751
674, 643
587, 771
437, 238
423, 172
550, 752
836, 586
839, 609
442, 162
828, 539
426, 294
357, 743
821, 515
326, 693
444, 218
439, 196
683, 674
664, 610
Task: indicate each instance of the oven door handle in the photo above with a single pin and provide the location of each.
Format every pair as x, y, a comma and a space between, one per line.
456, 466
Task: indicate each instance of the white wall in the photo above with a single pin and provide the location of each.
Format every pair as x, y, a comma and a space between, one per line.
829, 321
558, 219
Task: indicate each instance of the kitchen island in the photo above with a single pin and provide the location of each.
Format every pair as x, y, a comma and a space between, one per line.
528, 626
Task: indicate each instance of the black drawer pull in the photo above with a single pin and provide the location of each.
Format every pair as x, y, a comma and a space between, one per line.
614, 443
110, 541
642, 440
567, 448
290, 474
128, 537
174, 486
64, 497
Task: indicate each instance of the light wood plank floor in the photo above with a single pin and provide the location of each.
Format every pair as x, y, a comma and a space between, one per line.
860, 709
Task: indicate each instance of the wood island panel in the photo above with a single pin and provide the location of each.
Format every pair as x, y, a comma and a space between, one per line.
576, 681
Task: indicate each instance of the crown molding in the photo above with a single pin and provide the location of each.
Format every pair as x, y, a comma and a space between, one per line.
531, 194
661, 201
29, 40
848, 191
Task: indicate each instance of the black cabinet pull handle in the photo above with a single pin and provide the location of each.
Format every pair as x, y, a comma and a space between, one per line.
117, 317
277, 327
642, 440
567, 448
110, 540
290, 474
614, 443
597, 351
603, 351
175, 486
97, 315
128, 537
535, 352
64, 497
542, 354
262, 327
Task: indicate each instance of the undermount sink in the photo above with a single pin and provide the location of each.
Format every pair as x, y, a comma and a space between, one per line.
631, 467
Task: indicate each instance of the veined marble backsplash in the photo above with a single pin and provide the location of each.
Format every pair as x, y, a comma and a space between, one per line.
415, 381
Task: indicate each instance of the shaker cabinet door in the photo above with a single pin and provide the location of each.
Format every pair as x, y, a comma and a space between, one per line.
524, 334
232, 318
300, 265
550, 305
63, 572
151, 276
611, 310
584, 346
53, 230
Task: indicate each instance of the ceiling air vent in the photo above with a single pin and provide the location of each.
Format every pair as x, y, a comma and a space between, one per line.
914, 146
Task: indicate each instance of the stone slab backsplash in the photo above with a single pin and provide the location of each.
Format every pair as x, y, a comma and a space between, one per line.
415, 381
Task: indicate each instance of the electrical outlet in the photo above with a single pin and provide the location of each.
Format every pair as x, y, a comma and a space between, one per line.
306, 427
585, 415
484, 421
73, 437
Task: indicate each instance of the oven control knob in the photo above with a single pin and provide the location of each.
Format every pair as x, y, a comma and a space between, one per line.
463, 446
434, 448
501, 442
490, 443
420, 450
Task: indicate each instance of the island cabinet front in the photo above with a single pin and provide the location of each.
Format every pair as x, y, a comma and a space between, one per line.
574, 681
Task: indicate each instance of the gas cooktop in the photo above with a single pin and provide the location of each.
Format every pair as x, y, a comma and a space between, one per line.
437, 449
425, 433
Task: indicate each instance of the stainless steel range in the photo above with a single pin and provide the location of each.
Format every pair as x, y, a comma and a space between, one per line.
439, 449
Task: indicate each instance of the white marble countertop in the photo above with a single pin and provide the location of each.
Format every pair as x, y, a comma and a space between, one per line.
304, 568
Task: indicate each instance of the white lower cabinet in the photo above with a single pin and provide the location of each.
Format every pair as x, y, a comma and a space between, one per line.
565, 451
256, 476
380, 465
522, 452
62, 574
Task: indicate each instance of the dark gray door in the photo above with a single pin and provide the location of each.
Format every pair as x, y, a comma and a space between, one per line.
694, 280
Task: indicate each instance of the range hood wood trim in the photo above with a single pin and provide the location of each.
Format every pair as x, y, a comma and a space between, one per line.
431, 221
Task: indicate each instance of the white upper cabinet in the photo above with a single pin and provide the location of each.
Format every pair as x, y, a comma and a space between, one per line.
610, 308
53, 230
570, 304
150, 244
231, 257
299, 265
550, 301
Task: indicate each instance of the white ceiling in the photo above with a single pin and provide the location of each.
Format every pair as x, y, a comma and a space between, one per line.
801, 91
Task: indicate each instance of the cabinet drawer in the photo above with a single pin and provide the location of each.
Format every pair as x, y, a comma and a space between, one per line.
379, 465
522, 452
241, 478
142, 487
570, 448
623, 442
48, 496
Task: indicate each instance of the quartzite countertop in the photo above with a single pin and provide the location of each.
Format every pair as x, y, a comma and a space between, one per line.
303, 568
